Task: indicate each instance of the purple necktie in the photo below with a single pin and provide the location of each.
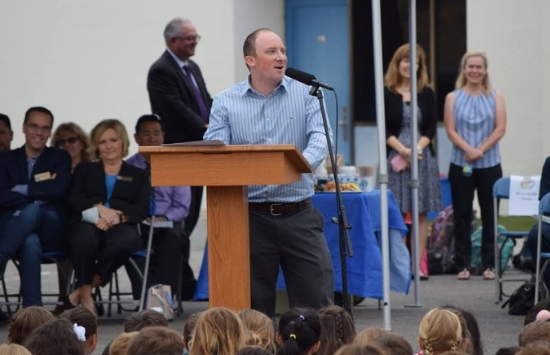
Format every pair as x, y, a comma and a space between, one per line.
198, 97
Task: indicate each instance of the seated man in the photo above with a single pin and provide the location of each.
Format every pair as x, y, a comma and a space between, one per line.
172, 204
6, 134
533, 234
34, 181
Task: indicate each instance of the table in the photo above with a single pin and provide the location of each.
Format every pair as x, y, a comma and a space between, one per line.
365, 268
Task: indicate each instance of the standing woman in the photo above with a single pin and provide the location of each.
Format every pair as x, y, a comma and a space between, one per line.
397, 100
108, 199
475, 119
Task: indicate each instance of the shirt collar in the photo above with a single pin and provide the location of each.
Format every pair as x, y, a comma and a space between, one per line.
180, 62
247, 88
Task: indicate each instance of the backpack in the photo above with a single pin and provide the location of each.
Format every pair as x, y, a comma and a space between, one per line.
441, 243
475, 256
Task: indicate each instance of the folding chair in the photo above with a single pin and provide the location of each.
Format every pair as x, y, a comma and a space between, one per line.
52, 257
114, 283
543, 217
501, 191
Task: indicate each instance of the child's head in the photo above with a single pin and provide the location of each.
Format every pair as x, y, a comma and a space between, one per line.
393, 344
534, 332
120, 345
337, 329
218, 331
369, 334
189, 329
25, 321
440, 330
146, 318
53, 338
13, 349
356, 349
471, 332
82, 317
156, 341
253, 350
260, 330
299, 332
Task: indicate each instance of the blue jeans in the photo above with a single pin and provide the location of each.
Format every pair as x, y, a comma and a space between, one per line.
24, 234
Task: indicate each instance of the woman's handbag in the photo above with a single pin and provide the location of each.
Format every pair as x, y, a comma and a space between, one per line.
522, 300
159, 298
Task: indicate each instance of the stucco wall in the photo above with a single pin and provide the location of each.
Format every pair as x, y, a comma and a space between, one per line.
89, 60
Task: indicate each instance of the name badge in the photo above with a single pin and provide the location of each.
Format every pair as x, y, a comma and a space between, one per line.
124, 178
42, 176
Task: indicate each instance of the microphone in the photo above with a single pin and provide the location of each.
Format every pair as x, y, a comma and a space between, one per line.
306, 78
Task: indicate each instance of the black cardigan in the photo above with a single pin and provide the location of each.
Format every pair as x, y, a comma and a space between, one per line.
394, 114
131, 194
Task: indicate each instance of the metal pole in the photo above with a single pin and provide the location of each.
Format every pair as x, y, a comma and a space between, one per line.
383, 168
414, 150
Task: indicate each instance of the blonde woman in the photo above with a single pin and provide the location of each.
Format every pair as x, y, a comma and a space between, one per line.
399, 129
108, 198
440, 330
475, 120
72, 138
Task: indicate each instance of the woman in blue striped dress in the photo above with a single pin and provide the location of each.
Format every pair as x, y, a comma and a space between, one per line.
475, 119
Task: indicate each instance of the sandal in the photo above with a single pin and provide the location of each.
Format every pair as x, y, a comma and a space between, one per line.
489, 274
464, 275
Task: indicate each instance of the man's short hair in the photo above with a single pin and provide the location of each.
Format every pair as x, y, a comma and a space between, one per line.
25, 321
156, 341
147, 118
6, 120
173, 28
249, 46
145, 318
37, 109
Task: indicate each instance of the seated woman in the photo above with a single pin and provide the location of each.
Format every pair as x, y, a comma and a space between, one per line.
72, 138
107, 200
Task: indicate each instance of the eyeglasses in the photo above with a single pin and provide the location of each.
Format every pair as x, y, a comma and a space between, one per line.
71, 141
190, 38
35, 127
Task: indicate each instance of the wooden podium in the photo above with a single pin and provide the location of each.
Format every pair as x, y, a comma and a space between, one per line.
226, 171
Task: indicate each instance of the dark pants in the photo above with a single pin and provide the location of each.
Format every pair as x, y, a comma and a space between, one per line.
189, 283
24, 235
94, 251
295, 242
462, 193
194, 210
164, 266
544, 246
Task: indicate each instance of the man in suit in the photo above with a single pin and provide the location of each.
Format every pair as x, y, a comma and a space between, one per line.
172, 204
34, 181
179, 96
6, 134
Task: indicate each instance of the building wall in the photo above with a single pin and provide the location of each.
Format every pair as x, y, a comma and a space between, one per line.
513, 35
87, 61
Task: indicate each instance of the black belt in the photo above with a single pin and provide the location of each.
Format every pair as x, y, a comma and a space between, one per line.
279, 209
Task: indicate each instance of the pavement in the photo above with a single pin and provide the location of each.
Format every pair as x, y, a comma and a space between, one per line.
498, 329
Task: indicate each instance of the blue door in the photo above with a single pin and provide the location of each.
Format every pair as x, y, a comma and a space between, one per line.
317, 40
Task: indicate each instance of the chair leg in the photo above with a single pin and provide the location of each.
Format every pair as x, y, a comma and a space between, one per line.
179, 310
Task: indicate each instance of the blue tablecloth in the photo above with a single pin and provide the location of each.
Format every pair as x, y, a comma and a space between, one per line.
365, 268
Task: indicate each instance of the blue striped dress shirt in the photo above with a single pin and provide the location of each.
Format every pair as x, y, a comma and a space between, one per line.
289, 115
474, 121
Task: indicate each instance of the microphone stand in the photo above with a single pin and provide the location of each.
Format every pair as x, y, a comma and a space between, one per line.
341, 220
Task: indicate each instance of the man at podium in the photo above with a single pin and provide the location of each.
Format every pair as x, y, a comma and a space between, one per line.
285, 228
